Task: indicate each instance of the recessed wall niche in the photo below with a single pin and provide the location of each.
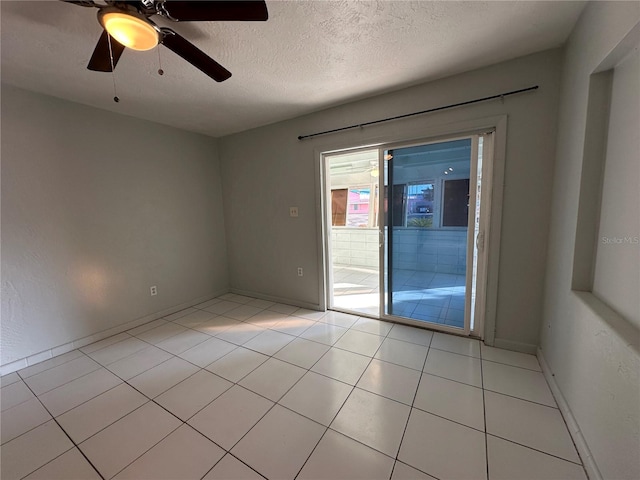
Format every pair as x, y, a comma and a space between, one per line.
607, 244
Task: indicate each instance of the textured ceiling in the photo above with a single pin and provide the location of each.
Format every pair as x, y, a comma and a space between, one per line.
309, 55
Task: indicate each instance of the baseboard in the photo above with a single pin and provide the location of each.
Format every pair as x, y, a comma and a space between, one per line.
271, 298
590, 466
515, 346
79, 343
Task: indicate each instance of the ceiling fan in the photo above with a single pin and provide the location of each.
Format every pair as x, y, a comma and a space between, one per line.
128, 24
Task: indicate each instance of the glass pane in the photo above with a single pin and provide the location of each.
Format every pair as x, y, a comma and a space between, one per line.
353, 181
426, 232
420, 205
455, 205
338, 207
398, 206
358, 212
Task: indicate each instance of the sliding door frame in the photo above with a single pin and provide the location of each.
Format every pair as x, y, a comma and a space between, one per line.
386, 252
416, 132
327, 264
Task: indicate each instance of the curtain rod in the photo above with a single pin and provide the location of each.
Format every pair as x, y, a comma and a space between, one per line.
453, 105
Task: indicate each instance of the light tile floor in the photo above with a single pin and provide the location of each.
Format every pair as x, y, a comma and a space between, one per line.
247, 389
427, 296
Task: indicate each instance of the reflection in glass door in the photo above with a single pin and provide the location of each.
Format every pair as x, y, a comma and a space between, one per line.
430, 253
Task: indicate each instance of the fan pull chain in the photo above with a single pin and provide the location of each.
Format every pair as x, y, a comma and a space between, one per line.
160, 70
113, 75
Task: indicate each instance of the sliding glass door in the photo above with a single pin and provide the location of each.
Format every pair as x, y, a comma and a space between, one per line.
420, 206
431, 224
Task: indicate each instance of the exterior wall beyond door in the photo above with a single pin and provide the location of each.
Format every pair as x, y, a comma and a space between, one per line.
421, 249
356, 247
418, 249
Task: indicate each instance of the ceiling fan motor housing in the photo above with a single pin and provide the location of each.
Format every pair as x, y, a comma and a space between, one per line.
129, 27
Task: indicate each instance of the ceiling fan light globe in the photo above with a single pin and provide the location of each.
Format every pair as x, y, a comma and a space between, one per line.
130, 31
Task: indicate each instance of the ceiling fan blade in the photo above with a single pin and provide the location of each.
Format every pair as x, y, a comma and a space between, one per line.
209, 11
192, 54
101, 58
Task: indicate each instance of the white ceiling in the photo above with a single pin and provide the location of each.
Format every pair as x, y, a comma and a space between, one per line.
309, 55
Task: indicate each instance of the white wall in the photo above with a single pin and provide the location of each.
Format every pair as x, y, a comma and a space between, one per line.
591, 351
96, 208
268, 169
617, 266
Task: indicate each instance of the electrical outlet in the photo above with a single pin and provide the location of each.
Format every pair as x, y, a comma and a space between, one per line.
154, 290
293, 211
300, 272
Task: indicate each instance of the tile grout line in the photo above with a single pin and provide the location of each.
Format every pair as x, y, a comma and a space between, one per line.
444, 418
86, 401
484, 417
564, 421
271, 408
75, 445
514, 366
354, 386
484, 412
152, 446
203, 368
257, 421
534, 449
345, 400
32, 428
125, 332
238, 459
520, 398
239, 380
236, 383
281, 397
106, 366
406, 425
149, 399
47, 369
144, 395
487, 434
236, 346
67, 382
